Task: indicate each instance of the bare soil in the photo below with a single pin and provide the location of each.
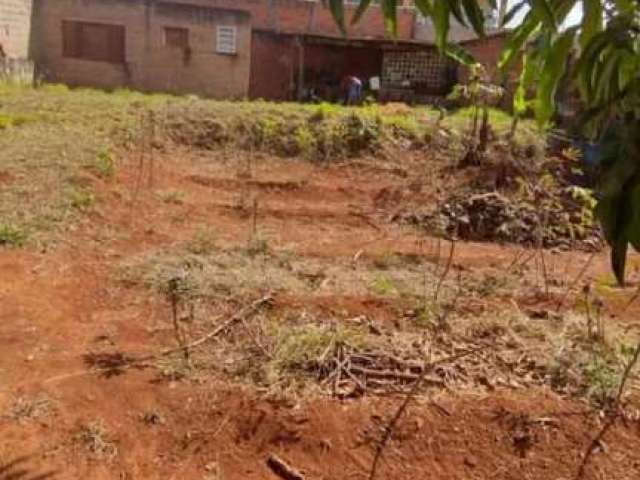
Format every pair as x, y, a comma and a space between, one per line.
64, 306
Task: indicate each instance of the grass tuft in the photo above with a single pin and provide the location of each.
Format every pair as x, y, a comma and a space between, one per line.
12, 236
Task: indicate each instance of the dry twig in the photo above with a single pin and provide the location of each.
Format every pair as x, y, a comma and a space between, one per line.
446, 270
282, 469
575, 281
410, 395
597, 441
131, 362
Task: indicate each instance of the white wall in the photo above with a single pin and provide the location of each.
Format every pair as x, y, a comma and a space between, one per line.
15, 27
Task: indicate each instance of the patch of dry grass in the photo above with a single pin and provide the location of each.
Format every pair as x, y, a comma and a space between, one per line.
95, 437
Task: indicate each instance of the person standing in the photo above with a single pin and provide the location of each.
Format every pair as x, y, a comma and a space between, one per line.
352, 88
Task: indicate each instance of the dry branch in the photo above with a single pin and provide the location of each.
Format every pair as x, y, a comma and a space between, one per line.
282, 469
238, 317
131, 362
447, 268
414, 390
575, 281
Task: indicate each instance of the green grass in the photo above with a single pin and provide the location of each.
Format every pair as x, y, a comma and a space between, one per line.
12, 236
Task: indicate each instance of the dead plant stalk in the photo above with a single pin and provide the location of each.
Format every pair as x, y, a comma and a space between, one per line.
429, 366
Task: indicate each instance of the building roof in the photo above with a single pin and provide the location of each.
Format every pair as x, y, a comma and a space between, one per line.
340, 40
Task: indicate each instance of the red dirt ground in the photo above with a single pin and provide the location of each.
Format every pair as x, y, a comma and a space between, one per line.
59, 304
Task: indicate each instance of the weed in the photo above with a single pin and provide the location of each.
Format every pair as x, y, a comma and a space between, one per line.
383, 285
12, 236
152, 418
305, 140
30, 408
95, 438
173, 367
81, 198
298, 348
602, 379
14, 120
203, 242
257, 246
424, 317
104, 164
174, 197
488, 286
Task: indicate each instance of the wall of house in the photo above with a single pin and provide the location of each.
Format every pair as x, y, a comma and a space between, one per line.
273, 66
15, 27
149, 64
487, 52
314, 17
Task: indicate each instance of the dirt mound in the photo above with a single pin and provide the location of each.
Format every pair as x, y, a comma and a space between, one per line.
495, 217
543, 206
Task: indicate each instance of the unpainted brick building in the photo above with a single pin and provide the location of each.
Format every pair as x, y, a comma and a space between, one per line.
271, 49
172, 46
288, 66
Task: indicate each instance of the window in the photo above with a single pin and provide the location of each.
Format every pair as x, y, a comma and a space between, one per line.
226, 40
176, 37
93, 41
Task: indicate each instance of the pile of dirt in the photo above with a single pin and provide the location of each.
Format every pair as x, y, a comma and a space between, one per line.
495, 217
555, 211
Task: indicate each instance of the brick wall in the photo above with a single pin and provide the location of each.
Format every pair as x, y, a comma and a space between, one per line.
149, 64
15, 23
486, 52
273, 66
308, 16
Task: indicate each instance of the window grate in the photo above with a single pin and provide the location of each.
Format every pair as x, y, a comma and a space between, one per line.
226, 40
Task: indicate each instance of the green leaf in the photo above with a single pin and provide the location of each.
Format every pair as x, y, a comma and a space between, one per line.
625, 6
588, 60
517, 40
424, 7
543, 11
460, 54
554, 68
454, 6
389, 8
619, 258
441, 22
513, 11
337, 10
632, 232
592, 20
619, 190
530, 71
475, 15
363, 6
606, 82
607, 213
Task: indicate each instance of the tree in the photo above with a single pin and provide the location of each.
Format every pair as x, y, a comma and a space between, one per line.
606, 73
